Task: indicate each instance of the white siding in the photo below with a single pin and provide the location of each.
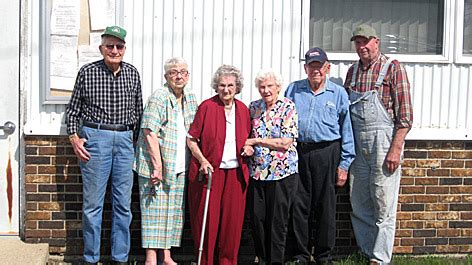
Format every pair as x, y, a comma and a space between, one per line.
252, 35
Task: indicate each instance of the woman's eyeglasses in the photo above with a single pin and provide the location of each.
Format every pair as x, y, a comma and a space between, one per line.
174, 73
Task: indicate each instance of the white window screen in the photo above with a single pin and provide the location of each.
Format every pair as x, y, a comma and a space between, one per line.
467, 27
404, 26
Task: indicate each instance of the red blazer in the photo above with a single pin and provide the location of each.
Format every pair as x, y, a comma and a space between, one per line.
209, 128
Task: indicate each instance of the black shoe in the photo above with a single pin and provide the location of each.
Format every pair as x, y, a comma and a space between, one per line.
119, 263
90, 263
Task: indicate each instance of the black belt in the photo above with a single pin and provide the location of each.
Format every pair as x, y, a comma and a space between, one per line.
108, 127
313, 145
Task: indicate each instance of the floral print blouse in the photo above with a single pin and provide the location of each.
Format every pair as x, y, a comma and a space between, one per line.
280, 122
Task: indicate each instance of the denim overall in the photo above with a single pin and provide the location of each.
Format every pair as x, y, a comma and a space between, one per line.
374, 190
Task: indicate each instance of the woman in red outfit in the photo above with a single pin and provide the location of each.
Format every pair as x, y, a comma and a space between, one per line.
216, 139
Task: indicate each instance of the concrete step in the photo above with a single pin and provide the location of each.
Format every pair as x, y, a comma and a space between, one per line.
13, 251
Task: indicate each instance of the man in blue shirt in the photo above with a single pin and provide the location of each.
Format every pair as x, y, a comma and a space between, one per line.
325, 146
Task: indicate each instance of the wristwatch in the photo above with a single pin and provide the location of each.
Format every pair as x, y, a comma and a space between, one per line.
73, 136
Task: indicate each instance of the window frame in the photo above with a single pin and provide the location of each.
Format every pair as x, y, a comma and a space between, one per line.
445, 57
459, 56
44, 64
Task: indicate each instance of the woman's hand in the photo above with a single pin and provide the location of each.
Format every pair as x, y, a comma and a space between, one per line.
156, 175
204, 166
247, 151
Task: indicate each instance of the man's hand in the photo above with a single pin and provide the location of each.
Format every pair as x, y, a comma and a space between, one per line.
392, 160
79, 149
341, 177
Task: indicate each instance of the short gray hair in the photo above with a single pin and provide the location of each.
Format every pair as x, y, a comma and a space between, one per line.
225, 70
173, 62
265, 74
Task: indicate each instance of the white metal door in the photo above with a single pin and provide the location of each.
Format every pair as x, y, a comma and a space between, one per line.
9, 117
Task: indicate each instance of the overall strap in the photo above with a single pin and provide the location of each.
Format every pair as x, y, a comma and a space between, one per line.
383, 73
354, 74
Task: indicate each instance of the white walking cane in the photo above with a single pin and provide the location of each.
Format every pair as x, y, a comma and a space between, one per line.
205, 213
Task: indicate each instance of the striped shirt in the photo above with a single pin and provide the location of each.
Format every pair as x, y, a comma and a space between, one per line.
101, 97
160, 116
395, 92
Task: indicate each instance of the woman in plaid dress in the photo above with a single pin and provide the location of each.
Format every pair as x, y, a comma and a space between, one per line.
162, 162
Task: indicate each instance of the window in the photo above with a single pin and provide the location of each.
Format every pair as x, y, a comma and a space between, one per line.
467, 43
405, 27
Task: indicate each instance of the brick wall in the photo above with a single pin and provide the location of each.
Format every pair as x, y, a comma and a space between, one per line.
435, 205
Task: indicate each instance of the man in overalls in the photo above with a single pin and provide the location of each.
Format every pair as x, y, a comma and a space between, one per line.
382, 115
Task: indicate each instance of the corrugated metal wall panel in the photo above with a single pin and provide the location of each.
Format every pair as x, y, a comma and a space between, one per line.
261, 34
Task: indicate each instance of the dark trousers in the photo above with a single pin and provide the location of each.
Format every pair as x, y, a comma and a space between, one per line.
269, 207
314, 206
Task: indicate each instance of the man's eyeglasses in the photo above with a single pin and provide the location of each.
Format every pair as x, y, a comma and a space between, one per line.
118, 46
174, 73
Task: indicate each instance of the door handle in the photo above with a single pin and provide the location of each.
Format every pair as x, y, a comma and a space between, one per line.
8, 128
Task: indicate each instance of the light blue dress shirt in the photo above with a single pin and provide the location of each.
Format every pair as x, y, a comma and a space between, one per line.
323, 116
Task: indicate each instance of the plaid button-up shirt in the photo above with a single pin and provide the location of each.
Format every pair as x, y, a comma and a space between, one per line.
394, 93
160, 116
101, 97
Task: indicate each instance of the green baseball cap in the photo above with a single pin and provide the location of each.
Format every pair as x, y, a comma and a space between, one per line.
115, 31
364, 31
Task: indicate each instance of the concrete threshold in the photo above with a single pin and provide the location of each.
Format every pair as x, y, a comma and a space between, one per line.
13, 251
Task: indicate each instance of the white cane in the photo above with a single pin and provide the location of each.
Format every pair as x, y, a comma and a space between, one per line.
205, 213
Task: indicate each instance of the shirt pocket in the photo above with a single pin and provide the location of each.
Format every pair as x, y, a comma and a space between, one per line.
330, 115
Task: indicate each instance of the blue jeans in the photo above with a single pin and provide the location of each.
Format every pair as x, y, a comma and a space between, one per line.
112, 155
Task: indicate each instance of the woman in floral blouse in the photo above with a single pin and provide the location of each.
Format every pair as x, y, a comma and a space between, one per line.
273, 167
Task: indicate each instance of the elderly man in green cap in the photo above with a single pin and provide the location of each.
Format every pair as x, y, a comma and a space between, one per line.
382, 115
103, 117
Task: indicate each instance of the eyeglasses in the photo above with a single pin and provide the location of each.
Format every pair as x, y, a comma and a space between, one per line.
174, 73
118, 46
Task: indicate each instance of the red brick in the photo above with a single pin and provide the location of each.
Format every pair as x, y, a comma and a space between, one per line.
461, 189
455, 145
428, 163
466, 248
409, 163
449, 198
31, 225
429, 144
424, 216
436, 224
52, 206
447, 249
437, 190
31, 188
403, 249
436, 207
462, 155
415, 154
46, 169
412, 242
38, 215
403, 233
438, 172
448, 232
467, 232
414, 172
51, 224
29, 169
403, 216
31, 206
38, 233
407, 181
425, 198
411, 224
59, 233
461, 172
412, 190
406, 199
37, 179
468, 164
449, 216
426, 181
439, 154
49, 150
452, 163
466, 198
